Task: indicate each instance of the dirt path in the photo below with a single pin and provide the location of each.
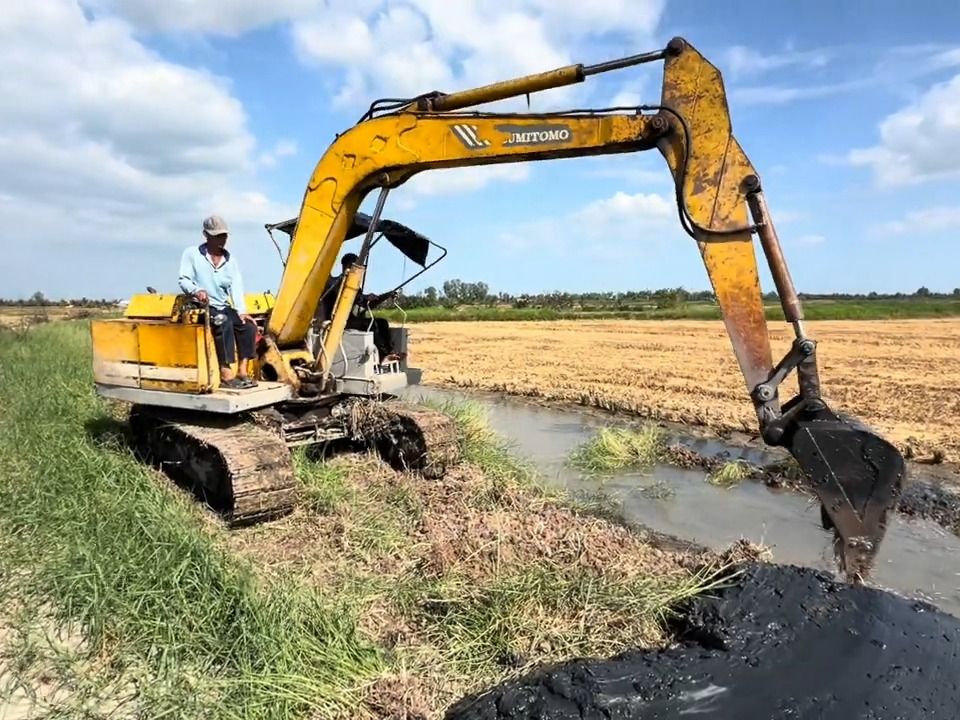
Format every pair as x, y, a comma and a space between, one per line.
901, 377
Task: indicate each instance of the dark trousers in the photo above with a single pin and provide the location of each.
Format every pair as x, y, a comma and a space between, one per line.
228, 329
381, 332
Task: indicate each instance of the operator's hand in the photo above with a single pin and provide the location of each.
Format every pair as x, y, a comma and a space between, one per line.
201, 295
248, 319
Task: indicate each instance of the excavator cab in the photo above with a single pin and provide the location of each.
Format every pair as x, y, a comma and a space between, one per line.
358, 366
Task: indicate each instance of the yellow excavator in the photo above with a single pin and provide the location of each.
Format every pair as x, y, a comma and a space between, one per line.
327, 384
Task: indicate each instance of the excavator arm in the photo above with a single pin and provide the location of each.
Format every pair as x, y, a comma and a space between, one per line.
855, 473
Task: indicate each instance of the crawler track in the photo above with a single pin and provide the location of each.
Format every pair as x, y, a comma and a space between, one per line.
242, 468
242, 471
408, 436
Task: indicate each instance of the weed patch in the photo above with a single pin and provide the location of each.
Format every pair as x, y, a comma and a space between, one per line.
729, 474
613, 449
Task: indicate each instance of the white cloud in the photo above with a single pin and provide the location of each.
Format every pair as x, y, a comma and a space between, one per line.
928, 220
451, 181
745, 62
945, 59
104, 143
610, 228
399, 49
892, 69
635, 175
919, 143
283, 148
782, 94
629, 95
622, 209
227, 17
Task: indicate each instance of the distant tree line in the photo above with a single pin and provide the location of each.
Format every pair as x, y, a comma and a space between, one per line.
38, 299
458, 292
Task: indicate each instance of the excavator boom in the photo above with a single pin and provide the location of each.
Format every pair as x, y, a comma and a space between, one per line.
855, 473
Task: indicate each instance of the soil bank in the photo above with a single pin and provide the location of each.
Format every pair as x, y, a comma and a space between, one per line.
782, 642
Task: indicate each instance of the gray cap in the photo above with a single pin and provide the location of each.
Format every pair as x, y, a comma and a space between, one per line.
215, 225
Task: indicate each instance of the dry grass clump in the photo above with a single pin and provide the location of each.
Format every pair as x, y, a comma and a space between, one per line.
469, 579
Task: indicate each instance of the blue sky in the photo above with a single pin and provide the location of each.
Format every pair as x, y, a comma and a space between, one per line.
124, 122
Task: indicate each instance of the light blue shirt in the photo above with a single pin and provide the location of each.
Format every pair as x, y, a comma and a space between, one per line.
221, 283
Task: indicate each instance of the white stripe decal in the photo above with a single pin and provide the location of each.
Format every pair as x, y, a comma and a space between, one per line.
464, 137
472, 131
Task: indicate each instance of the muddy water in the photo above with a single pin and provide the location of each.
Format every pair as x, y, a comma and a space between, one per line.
918, 558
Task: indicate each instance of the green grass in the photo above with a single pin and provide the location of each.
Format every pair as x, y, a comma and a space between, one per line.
730, 474
204, 623
613, 449
491, 453
813, 310
545, 609
133, 567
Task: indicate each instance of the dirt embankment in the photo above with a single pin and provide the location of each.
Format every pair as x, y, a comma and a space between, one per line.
470, 579
783, 642
900, 377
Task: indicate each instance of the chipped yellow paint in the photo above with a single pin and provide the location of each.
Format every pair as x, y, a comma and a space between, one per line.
716, 167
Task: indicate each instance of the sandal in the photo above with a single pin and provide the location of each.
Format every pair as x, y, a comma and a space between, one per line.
248, 382
234, 384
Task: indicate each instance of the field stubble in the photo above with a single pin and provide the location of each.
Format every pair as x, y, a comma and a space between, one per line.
900, 377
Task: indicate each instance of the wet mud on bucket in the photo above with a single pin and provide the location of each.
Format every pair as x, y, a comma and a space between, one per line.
781, 642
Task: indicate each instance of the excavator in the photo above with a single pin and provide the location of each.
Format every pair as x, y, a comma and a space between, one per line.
236, 443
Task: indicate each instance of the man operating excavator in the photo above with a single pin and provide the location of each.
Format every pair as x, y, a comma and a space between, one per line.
359, 318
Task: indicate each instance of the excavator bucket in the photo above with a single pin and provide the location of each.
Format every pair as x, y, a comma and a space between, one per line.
856, 474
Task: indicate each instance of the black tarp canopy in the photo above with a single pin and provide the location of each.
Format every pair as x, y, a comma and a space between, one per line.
408, 241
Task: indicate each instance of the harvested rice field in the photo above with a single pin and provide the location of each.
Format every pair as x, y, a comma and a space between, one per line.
900, 376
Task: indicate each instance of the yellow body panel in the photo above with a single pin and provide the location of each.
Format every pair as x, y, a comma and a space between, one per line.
150, 305
154, 355
259, 303
155, 305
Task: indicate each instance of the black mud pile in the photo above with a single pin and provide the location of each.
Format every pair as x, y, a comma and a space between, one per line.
784, 642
